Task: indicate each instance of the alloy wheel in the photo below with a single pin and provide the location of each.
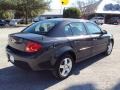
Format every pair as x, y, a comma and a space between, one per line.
65, 67
110, 47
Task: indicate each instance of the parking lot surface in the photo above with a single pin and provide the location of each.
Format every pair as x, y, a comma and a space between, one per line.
97, 73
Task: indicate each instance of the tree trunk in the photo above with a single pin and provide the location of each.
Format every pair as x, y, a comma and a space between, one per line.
26, 18
26, 13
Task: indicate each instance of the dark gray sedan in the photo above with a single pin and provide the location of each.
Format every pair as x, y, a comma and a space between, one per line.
57, 44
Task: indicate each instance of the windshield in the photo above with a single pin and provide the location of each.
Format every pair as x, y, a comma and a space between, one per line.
41, 28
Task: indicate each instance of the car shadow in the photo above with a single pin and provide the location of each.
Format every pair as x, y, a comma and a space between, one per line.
87, 86
13, 78
116, 87
86, 63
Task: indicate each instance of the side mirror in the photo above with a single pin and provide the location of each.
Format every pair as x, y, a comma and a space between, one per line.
104, 32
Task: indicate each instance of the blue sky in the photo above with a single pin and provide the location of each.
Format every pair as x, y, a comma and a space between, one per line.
55, 4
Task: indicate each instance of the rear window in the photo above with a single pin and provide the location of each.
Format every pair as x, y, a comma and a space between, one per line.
41, 28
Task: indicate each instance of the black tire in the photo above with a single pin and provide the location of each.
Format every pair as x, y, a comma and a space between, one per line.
108, 51
56, 71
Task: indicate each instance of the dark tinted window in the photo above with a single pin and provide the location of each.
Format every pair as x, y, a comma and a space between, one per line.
78, 29
67, 30
40, 27
93, 29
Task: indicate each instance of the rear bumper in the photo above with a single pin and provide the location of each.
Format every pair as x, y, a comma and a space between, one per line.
30, 62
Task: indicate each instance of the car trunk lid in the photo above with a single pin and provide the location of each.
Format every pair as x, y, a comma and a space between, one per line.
19, 40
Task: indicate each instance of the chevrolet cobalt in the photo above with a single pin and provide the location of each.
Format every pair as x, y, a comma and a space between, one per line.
57, 44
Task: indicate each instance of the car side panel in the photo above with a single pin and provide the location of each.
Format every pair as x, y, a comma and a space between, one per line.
82, 46
60, 51
100, 43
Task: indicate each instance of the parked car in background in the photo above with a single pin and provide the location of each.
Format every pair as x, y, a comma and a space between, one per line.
98, 20
2, 23
7, 22
57, 44
14, 22
114, 20
37, 19
23, 21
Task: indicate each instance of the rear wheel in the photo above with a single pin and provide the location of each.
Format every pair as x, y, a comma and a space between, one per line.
63, 67
109, 48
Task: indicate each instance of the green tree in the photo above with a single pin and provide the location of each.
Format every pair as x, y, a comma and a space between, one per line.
7, 15
25, 8
5, 9
71, 13
31, 8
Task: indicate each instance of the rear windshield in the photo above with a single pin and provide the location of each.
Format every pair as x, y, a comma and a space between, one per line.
41, 28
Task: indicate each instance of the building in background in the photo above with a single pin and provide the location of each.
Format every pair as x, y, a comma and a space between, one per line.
108, 9
53, 13
105, 8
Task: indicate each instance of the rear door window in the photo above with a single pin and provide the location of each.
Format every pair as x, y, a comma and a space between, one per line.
78, 29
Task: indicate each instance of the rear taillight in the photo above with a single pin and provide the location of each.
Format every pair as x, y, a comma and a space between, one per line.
33, 47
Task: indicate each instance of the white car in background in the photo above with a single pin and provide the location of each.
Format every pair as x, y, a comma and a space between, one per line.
14, 22
98, 20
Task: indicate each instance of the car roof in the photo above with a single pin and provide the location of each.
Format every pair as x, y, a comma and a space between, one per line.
68, 20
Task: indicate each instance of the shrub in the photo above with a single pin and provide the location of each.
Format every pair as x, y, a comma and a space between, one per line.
71, 13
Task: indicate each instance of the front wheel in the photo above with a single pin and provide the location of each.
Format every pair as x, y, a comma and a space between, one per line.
109, 48
63, 67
